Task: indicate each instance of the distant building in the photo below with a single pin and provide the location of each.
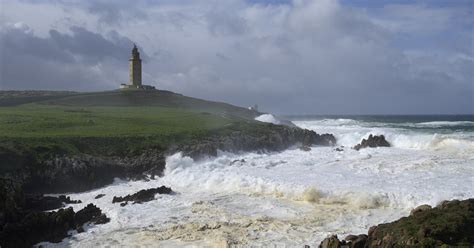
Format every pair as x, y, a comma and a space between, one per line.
135, 72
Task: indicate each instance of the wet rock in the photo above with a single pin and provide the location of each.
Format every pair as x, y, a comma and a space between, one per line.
350, 238
305, 148
67, 200
359, 242
269, 138
90, 213
80, 172
99, 196
420, 209
330, 242
143, 195
373, 141
34, 227
241, 161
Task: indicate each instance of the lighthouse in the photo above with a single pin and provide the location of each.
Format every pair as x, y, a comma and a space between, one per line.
135, 72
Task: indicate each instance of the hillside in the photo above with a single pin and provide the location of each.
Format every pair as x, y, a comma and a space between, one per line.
131, 98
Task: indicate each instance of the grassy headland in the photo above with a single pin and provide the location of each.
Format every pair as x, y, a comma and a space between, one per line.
135, 119
66, 141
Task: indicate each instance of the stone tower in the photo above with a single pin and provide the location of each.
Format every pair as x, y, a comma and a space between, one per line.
135, 73
135, 68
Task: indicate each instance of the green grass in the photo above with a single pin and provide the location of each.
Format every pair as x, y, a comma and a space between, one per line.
34, 121
43, 123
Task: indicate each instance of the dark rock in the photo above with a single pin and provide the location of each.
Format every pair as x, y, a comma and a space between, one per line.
270, 138
449, 224
90, 213
350, 238
67, 200
81, 172
99, 196
305, 148
143, 195
45, 203
372, 141
330, 242
359, 242
339, 149
237, 161
36, 227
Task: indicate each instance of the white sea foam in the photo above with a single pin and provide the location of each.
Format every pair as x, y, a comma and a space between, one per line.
290, 198
268, 118
351, 132
445, 123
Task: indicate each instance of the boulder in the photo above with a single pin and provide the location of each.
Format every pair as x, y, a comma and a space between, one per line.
372, 141
142, 195
99, 196
90, 213
449, 224
420, 209
330, 242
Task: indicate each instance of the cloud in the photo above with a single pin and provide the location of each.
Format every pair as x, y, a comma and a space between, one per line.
296, 56
79, 60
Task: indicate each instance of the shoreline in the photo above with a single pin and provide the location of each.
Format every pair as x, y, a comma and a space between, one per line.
341, 242
47, 170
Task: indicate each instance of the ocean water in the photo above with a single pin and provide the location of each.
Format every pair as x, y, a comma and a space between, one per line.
295, 197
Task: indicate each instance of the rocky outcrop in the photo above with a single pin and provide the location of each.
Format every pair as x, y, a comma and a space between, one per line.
330, 242
81, 172
23, 222
29, 228
45, 203
451, 223
372, 141
142, 195
273, 138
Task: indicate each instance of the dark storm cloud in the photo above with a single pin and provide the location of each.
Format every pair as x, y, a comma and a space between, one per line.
72, 60
301, 56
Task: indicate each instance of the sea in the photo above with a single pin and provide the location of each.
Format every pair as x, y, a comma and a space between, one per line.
295, 197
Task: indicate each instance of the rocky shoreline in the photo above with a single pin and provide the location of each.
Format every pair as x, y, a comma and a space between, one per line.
450, 224
23, 221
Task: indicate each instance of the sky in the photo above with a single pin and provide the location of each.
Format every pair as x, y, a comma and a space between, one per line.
287, 56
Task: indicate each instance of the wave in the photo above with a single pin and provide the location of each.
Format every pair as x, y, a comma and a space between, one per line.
345, 122
268, 118
217, 176
350, 132
445, 123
